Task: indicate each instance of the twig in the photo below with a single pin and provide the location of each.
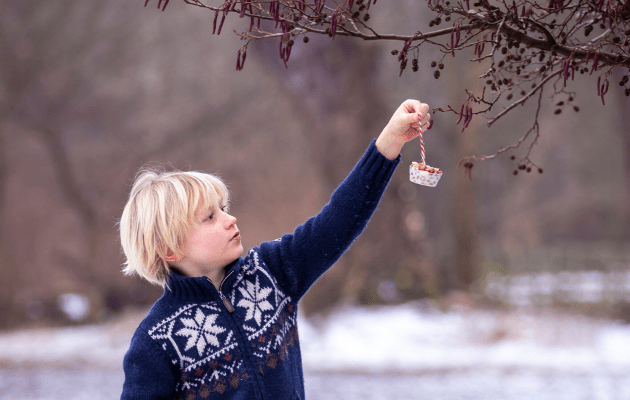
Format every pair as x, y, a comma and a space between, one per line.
524, 98
535, 127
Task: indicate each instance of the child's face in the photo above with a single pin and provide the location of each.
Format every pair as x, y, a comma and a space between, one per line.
211, 244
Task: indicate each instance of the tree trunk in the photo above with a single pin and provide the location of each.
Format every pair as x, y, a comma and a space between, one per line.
465, 231
9, 282
624, 109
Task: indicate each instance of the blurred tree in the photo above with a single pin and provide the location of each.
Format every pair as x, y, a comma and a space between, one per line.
50, 56
525, 45
90, 93
465, 211
624, 110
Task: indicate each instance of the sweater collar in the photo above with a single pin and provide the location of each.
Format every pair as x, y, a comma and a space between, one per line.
201, 288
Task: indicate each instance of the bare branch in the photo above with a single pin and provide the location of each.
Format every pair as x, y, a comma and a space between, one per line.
524, 98
527, 40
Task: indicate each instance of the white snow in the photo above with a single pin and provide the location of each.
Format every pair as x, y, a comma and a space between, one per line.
405, 339
400, 339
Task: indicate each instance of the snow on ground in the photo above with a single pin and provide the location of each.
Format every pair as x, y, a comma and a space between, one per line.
400, 339
406, 352
405, 339
93, 346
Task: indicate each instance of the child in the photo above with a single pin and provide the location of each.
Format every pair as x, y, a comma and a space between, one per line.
225, 327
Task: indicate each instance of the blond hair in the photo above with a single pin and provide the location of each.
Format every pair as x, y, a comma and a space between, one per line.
160, 210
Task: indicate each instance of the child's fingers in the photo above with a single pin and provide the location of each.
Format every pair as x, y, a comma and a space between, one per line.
411, 106
423, 123
422, 108
415, 106
412, 119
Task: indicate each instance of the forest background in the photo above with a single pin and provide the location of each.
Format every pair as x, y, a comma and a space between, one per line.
92, 91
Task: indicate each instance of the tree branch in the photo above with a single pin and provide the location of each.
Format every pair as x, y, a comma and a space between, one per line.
524, 98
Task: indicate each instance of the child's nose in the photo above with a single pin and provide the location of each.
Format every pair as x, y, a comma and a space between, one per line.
231, 220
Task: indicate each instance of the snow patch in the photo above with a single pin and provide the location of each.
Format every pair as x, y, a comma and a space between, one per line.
401, 339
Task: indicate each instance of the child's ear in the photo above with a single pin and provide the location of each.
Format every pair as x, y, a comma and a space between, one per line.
170, 257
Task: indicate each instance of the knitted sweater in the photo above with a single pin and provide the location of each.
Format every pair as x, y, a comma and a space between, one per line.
241, 341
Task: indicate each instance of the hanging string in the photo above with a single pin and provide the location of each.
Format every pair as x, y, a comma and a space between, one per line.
422, 147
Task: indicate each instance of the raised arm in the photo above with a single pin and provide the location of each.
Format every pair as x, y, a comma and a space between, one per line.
298, 259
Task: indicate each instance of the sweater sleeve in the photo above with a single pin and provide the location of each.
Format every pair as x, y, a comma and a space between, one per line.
148, 374
298, 259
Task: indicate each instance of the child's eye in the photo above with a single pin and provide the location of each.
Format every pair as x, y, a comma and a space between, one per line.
223, 209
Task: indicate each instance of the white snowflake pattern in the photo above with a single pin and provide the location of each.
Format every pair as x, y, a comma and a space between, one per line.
200, 331
254, 300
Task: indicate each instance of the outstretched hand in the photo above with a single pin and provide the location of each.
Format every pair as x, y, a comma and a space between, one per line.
408, 121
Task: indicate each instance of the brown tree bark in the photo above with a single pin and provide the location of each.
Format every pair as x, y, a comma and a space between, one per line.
464, 212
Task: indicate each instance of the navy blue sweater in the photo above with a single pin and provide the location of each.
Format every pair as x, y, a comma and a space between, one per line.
241, 341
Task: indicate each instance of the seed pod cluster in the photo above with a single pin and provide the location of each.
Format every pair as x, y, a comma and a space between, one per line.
436, 73
588, 29
435, 21
562, 104
525, 165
